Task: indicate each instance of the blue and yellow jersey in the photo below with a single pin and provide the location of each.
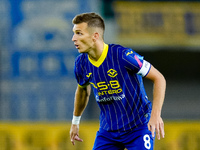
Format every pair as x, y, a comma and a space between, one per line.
117, 84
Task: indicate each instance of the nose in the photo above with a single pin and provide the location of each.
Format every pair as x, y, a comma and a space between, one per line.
73, 38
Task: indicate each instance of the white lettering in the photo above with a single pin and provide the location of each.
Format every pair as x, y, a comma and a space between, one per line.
116, 98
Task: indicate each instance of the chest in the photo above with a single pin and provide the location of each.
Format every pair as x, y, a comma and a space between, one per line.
107, 76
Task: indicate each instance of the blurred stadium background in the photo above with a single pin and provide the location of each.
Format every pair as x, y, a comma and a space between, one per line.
37, 84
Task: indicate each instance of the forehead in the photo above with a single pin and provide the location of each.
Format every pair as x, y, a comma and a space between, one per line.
80, 27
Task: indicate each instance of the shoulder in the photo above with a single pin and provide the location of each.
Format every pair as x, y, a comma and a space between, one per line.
80, 63
116, 47
120, 48
81, 58
124, 51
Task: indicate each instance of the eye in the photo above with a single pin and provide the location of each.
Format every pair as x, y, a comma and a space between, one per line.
79, 33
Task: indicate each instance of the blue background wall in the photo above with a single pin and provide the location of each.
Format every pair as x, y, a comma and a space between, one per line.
37, 58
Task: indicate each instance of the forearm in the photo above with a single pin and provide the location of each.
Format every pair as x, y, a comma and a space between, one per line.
158, 95
81, 100
159, 87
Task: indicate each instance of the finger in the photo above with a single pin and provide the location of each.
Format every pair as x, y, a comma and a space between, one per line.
152, 129
162, 130
158, 132
77, 138
149, 127
72, 140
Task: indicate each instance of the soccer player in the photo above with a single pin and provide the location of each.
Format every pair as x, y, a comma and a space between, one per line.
127, 117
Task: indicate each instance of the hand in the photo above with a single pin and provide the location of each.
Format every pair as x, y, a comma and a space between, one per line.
156, 124
74, 134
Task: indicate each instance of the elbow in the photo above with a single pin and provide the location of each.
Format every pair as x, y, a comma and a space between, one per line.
160, 79
160, 82
163, 80
88, 90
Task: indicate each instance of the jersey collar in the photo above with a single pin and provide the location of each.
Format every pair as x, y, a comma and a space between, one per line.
102, 57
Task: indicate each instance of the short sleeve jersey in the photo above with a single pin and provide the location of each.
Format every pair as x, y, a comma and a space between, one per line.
116, 79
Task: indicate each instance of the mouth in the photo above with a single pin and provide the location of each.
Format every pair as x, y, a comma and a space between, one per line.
77, 46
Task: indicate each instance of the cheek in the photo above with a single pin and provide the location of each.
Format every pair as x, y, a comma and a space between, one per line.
87, 42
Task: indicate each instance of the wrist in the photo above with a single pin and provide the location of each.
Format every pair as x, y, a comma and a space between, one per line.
76, 120
155, 113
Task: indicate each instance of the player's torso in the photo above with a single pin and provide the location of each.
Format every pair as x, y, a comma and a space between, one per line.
107, 78
116, 89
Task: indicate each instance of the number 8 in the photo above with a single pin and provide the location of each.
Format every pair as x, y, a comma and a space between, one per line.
147, 143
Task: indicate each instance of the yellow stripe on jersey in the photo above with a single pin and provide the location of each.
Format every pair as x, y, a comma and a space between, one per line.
102, 57
83, 86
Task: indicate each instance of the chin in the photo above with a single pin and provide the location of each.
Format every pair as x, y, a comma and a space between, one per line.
81, 51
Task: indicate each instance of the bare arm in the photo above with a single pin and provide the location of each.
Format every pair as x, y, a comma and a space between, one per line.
81, 99
156, 123
80, 103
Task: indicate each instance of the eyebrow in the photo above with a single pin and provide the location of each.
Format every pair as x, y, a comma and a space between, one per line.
76, 30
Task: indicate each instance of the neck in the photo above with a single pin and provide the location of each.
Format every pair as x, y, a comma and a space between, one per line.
95, 54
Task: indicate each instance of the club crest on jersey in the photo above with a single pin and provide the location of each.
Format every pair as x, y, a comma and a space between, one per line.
112, 73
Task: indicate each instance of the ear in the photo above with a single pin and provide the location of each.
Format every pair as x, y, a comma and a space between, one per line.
96, 36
